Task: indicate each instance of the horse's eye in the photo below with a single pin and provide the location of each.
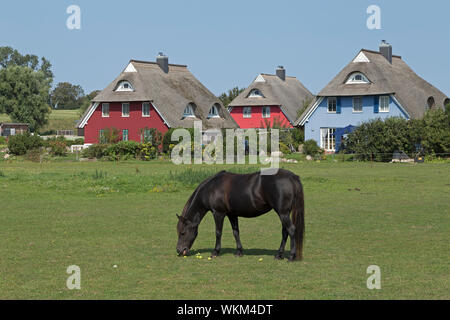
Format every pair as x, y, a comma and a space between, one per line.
182, 233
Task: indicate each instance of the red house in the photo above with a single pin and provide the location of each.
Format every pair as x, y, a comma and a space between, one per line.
270, 98
152, 95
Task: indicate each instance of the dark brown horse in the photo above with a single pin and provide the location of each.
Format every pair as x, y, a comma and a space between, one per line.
249, 196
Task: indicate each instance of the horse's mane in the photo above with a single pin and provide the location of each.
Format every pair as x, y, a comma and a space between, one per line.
190, 201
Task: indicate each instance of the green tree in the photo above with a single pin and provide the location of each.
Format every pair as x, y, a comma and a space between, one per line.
24, 95
87, 100
226, 98
12, 57
67, 96
305, 104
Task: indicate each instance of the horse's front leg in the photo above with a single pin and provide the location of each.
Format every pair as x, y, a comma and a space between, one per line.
218, 218
235, 226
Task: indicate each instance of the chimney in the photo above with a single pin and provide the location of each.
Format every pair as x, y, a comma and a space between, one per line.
281, 73
163, 62
386, 50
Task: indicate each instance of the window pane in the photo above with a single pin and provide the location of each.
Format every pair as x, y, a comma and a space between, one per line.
357, 104
125, 109
146, 109
105, 109
332, 104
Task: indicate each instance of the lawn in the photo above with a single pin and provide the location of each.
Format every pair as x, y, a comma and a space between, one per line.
117, 222
58, 120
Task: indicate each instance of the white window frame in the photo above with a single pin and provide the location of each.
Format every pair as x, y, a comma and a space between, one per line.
255, 93
214, 112
189, 112
330, 99
352, 79
144, 104
266, 114
247, 112
125, 115
121, 86
128, 135
327, 139
105, 107
383, 107
354, 104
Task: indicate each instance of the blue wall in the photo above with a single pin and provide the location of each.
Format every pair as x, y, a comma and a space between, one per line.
321, 118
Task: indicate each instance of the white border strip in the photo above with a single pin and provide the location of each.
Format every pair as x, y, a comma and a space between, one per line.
400, 106
314, 107
88, 115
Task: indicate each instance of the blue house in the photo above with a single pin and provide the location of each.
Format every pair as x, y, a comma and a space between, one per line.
375, 84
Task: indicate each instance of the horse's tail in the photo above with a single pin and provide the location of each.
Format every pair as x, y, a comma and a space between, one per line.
298, 217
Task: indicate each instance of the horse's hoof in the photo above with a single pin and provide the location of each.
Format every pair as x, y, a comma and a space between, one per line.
291, 259
214, 254
279, 257
238, 254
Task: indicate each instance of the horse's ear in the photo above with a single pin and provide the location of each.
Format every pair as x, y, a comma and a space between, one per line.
183, 219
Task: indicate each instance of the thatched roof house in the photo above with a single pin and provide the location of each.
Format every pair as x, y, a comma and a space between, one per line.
175, 96
278, 91
375, 84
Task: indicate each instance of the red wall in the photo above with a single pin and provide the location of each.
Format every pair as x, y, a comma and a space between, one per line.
257, 120
133, 123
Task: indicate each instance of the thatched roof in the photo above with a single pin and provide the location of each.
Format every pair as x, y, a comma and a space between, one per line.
397, 79
290, 94
169, 93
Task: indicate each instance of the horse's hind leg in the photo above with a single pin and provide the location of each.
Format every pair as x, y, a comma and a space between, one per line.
290, 228
235, 226
285, 235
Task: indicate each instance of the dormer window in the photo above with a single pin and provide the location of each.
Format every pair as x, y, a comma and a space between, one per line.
124, 86
255, 93
357, 78
189, 111
214, 112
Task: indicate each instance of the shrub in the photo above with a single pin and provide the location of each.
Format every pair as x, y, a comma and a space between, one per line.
147, 151
378, 139
167, 141
110, 136
57, 148
21, 143
311, 148
95, 151
35, 155
284, 148
123, 149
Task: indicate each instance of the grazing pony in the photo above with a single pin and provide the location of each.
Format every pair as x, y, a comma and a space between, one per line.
248, 196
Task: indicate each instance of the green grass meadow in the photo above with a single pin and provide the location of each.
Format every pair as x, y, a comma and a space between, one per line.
58, 120
98, 215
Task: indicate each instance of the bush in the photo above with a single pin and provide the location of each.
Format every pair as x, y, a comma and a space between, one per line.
95, 151
3, 140
284, 148
122, 149
57, 148
166, 141
110, 136
378, 139
21, 143
311, 148
35, 155
148, 151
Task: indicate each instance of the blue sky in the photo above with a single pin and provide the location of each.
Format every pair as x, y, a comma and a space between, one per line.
227, 43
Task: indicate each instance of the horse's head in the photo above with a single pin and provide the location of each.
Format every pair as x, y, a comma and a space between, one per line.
187, 233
